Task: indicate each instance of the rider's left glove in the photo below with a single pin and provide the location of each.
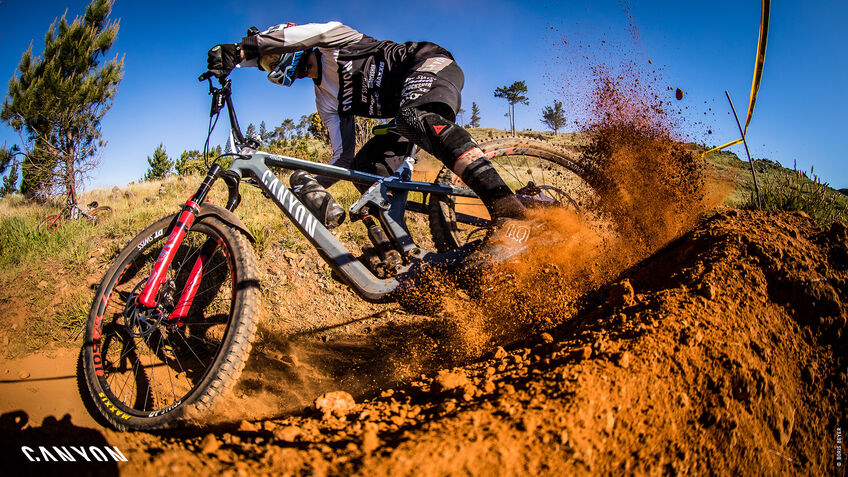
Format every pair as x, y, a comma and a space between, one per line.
223, 58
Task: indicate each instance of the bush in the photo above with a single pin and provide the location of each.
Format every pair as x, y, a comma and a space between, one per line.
794, 190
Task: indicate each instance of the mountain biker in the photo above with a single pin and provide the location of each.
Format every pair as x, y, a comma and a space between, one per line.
416, 83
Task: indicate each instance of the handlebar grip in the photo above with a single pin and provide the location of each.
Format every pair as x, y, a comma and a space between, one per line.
205, 76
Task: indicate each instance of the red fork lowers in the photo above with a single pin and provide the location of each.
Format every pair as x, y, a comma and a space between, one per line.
193, 282
175, 239
166, 256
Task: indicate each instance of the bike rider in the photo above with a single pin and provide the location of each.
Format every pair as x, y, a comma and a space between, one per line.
416, 83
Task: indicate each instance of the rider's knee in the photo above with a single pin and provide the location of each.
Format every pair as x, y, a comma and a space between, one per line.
435, 134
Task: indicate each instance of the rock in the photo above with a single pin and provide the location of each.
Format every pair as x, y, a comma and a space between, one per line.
500, 353
784, 423
624, 360
583, 353
370, 441
338, 403
609, 422
209, 444
809, 374
116, 193
489, 387
447, 407
563, 437
247, 426
23, 374
448, 380
468, 392
690, 337
128, 194
707, 290
287, 433
268, 426
621, 294
547, 338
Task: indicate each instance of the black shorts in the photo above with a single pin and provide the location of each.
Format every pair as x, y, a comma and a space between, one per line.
436, 79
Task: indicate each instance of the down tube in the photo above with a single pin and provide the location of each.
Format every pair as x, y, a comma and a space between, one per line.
357, 275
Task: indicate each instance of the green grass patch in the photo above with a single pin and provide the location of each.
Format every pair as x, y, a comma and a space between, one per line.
794, 190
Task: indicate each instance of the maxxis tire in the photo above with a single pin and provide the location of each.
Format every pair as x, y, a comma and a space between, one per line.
234, 349
441, 213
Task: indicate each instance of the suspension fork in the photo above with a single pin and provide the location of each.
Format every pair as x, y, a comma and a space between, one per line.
206, 252
175, 239
193, 282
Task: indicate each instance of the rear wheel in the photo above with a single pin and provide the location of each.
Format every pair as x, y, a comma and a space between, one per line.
145, 368
99, 214
540, 174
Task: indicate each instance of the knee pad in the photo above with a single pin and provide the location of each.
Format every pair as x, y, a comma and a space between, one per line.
435, 134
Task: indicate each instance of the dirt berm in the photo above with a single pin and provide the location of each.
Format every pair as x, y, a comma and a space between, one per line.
723, 353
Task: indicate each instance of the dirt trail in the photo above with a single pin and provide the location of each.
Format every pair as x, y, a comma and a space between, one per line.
45, 385
725, 352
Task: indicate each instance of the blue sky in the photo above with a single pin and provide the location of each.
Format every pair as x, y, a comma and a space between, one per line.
700, 47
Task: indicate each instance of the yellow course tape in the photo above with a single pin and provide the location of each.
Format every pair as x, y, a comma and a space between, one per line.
761, 59
758, 74
731, 143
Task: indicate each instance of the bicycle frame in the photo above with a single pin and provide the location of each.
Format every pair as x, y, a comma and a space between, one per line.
386, 199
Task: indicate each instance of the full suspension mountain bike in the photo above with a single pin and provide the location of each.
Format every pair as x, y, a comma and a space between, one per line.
172, 321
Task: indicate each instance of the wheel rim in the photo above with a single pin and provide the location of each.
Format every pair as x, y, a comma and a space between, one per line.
149, 364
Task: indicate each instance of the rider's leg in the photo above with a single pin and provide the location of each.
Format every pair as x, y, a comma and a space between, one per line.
381, 155
431, 127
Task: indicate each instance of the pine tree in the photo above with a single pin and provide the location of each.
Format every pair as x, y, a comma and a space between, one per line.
9, 166
317, 128
265, 134
57, 100
250, 131
513, 94
303, 126
475, 115
160, 164
554, 117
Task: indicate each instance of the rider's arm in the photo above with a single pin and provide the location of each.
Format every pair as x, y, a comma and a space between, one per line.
282, 39
342, 134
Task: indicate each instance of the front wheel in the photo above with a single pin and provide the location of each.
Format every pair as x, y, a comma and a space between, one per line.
145, 368
50, 223
540, 174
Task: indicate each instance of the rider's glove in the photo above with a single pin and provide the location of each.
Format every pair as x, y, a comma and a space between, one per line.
223, 58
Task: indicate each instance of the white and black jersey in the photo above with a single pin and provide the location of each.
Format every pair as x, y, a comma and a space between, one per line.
362, 76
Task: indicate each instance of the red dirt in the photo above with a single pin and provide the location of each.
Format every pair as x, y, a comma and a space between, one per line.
723, 353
